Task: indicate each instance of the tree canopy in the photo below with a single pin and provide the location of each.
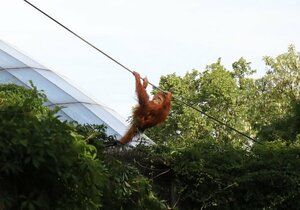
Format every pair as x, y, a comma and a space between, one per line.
237, 98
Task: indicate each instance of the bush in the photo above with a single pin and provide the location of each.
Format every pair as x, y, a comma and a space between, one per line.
44, 163
126, 187
217, 175
49, 164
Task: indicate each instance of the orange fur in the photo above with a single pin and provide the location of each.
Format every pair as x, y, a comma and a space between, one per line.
149, 112
129, 135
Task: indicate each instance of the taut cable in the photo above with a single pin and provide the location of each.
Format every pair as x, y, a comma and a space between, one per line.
129, 70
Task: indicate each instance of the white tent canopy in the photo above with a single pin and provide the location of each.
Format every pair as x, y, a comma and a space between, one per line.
19, 69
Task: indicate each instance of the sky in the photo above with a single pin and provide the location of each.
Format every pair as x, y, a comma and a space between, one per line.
154, 38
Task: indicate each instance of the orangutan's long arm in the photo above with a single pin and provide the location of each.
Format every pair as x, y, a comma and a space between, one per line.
141, 91
167, 101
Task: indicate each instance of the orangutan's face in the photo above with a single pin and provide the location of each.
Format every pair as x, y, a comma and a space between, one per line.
158, 98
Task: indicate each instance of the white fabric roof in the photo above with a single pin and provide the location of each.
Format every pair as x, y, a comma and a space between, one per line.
19, 69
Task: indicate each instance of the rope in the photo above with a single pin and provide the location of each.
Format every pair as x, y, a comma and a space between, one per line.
75, 34
129, 70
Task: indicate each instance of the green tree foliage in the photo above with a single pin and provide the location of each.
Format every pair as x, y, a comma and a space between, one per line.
196, 164
219, 175
128, 189
49, 164
286, 128
283, 76
278, 96
216, 91
44, 163
234, 97
216, 175
125, 188
210, 167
